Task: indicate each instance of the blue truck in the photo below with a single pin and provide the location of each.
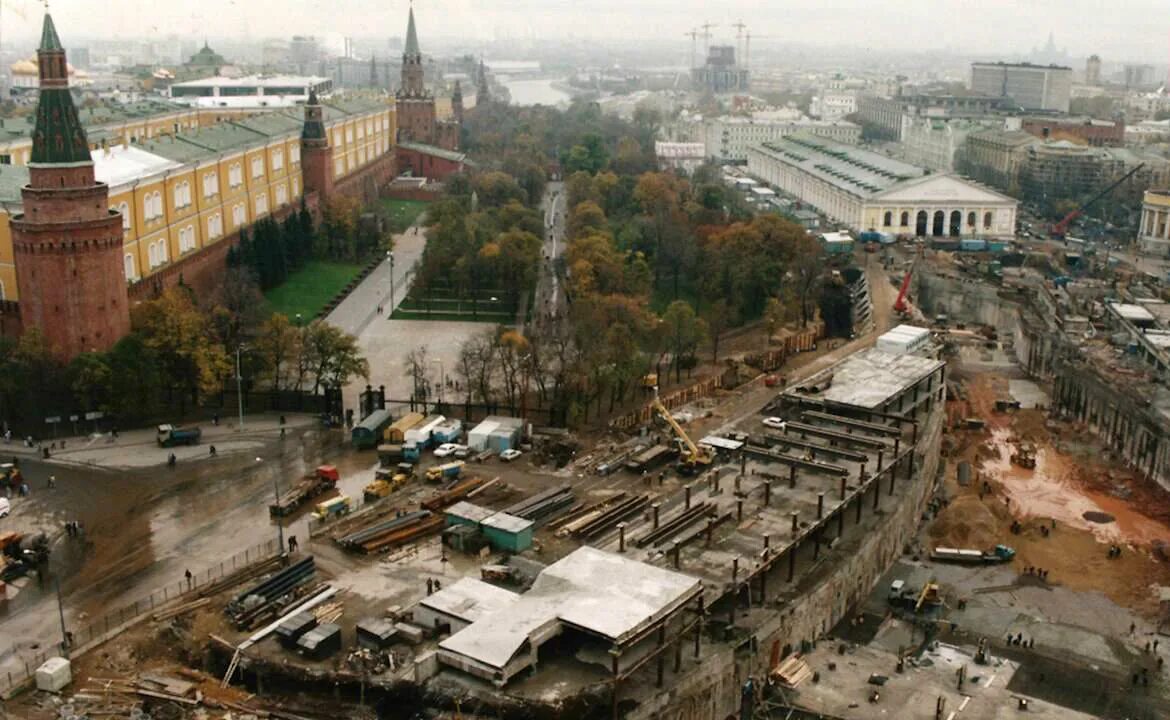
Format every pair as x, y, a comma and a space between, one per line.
170, 435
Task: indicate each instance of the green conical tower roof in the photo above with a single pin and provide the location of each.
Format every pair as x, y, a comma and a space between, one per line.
58, 137
49, 39
411, 36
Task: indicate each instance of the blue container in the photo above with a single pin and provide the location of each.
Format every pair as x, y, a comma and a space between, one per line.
996, 246
972, 244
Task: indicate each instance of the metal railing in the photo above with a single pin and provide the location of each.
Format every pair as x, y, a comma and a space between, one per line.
109, 625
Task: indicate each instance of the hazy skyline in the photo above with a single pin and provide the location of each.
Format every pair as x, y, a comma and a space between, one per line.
1127, 30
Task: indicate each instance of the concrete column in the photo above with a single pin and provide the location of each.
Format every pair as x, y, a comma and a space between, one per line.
621, 537
739, 510
738, 482
687, 497
795, 526
843, 488
816, 538
881, 453
655, 507
715, 483
841, 523
661, 659
767, 492
820, 506
897, 448
734, 590
710, 530
699, 628
791, 563
861, 474
860, 501
792, 477
877, 495
676, 549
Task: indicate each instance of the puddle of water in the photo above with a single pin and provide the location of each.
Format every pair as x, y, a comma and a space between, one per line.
1048, 491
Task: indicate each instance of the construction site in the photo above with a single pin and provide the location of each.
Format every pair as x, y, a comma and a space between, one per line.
960, 517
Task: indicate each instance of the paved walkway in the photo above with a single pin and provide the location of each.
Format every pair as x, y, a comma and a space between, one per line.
360, 307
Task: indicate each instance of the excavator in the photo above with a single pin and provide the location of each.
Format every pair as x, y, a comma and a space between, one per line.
694, 459
902, 305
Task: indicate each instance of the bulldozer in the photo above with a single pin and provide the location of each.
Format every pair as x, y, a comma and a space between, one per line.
1025, 455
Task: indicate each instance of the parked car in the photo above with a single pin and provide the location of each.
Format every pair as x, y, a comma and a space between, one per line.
446, 450
509, 455
774, 423
462, 452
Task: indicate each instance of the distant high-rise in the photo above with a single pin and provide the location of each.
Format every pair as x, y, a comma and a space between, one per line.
1093, 70
1033, 87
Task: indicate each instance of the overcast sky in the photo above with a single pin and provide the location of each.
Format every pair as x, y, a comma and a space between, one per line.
1117, 30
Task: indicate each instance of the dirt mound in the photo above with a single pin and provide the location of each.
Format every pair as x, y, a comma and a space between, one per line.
1031, 425
967, 522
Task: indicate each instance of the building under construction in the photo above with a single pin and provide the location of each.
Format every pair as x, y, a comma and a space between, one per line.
720, 74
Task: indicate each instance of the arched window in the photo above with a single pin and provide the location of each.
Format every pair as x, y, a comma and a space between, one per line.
987, 220
124, 209
956, 223
888, 219
905, 218
257, 167
971, 218
179, 195
128, 266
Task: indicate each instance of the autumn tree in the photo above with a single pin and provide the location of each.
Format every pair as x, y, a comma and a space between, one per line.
181, 338
683, 332
332, 355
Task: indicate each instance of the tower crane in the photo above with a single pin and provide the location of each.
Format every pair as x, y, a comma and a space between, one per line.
740, 27
695, 459
707, 36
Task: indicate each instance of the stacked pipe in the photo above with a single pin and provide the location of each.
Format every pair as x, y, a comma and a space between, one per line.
454, 494
544, 506
356, 539
246, 604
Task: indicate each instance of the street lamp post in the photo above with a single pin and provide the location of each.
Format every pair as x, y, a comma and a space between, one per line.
276, 499
240, 385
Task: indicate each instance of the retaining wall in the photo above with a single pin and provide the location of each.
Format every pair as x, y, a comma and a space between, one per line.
711, 690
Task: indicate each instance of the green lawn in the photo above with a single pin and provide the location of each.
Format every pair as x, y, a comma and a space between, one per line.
402, 213
307, 290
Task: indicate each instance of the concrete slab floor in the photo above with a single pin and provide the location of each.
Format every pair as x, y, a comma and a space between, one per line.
844, 692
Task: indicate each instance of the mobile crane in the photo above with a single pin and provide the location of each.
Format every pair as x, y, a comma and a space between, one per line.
1059, 229
902, 305
694, 459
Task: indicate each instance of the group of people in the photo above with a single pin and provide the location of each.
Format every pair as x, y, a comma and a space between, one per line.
1020, 641
1038, 572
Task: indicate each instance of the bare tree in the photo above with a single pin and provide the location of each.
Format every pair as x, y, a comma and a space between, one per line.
417, 371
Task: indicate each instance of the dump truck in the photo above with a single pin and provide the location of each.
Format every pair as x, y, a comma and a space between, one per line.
338, 506
446, 471
387, 480
998, 554
172, 435
322, 480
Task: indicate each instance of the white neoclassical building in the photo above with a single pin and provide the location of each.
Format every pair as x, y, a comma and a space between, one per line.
868, 191
1154, 232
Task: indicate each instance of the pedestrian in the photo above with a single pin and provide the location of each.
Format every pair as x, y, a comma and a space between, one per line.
430, 586
52, 481
292, 543
215, 418
189, 577
211, 450
1132, 627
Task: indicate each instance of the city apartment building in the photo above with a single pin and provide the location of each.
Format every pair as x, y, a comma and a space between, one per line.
1032, 87
728, 138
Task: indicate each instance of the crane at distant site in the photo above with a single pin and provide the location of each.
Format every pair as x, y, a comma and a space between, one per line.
1060, 229
707, 36
694, 36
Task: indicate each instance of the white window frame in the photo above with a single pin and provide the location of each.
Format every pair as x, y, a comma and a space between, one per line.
277, 159
128, 266
261, 204
294, 154
235, 175
238, 216
125, 210
281, 196
211, 184
257, 167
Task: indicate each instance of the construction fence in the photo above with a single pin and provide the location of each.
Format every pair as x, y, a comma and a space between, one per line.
20, 666
790, 344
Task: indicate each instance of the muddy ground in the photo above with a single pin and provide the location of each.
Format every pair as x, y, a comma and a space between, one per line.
1085, 499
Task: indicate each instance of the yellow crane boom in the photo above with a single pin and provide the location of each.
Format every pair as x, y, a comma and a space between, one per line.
696, 456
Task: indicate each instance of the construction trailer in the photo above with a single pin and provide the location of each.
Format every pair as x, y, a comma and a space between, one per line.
368, 432
497, 433
395, 434
320, 642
